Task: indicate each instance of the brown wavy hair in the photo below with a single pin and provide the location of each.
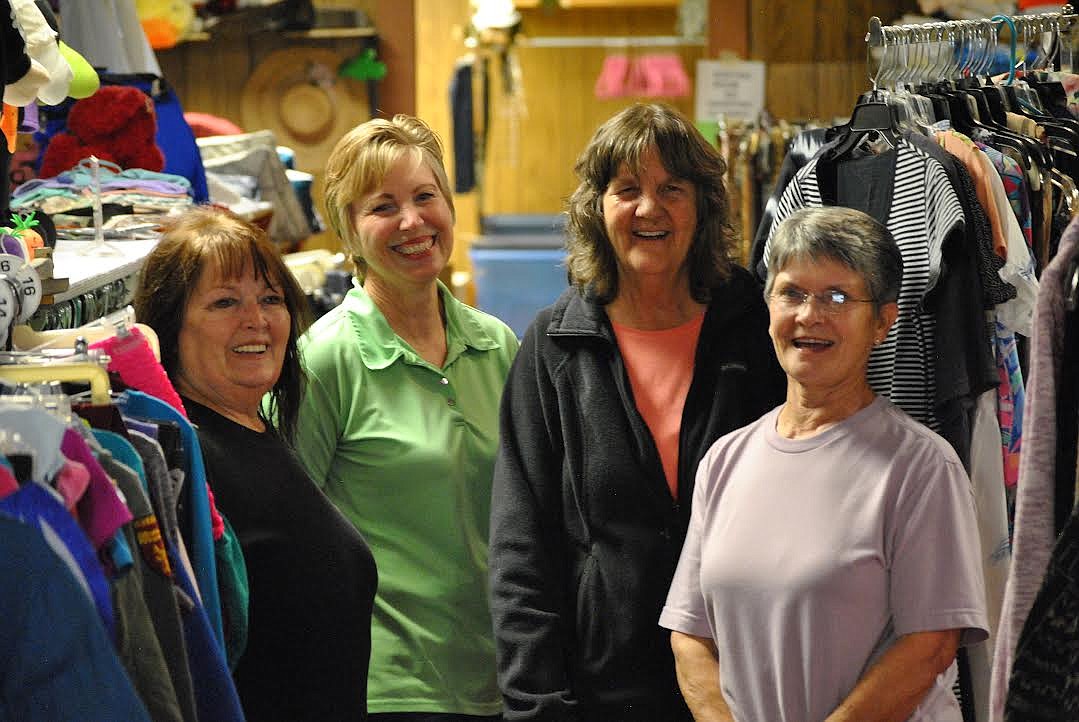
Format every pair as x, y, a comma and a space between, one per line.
625, 139
208, 237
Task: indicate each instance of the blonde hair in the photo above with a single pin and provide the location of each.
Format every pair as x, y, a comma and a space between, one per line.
359, 163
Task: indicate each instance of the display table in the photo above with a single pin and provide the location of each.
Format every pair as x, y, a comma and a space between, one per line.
98, 283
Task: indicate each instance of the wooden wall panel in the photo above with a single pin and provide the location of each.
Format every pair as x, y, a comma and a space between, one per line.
814, 49
530, 168
439, 44
821, 91
815, 30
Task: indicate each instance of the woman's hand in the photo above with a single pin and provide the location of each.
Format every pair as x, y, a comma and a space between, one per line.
697, 664
893, 687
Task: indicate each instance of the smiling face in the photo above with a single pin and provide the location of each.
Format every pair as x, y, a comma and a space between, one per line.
651, 218
232, 342
823, 352
404, 229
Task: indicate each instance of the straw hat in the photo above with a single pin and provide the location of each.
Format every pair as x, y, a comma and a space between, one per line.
296, 93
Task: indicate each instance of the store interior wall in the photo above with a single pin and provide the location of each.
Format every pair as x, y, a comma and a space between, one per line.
814, 50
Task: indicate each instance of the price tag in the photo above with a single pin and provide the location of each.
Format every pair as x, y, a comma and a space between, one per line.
27, 283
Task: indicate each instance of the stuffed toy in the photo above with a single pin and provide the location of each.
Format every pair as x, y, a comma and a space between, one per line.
117, 123
165, 22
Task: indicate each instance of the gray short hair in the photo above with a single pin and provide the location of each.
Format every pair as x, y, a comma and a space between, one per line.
848, 236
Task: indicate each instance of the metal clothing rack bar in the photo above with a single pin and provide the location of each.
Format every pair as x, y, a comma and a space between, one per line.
879, 35
1061, 24
604, 41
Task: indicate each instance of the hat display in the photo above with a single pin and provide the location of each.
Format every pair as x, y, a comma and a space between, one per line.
296, 93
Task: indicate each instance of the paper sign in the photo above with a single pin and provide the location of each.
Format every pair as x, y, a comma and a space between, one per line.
734, 88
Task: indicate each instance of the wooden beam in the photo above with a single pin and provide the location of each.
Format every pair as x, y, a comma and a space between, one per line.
728, 28
396, 24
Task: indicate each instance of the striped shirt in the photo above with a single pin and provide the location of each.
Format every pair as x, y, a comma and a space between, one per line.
924, 210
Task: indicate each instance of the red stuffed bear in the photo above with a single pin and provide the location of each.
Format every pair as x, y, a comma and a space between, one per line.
117, 123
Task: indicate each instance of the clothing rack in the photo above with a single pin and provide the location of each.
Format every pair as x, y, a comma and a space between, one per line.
1061, 24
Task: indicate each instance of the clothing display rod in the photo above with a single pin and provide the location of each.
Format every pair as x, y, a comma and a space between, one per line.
1060, 24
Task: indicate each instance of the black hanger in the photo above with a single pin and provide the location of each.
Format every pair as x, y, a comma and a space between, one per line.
22, 466
869, 119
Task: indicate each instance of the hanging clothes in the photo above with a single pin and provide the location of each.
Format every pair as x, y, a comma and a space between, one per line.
1034, 526
58, 662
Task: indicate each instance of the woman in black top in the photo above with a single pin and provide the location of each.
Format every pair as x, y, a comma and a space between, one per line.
228, 312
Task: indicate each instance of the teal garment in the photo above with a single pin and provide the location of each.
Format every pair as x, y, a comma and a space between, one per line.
406, 451
235, 593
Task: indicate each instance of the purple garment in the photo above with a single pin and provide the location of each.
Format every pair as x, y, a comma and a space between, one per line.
1034, 513
66, 181
141, 426
101, 511
28, 123
806, 560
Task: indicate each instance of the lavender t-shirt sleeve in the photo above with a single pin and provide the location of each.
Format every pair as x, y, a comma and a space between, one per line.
935, 576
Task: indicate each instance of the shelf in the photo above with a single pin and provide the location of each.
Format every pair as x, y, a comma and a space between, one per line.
313, 34
330, 33
569, 4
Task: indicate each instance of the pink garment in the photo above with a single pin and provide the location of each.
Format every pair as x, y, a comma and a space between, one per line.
8, 483
72, 482
660, 369
132, 358
101, 512
216, 524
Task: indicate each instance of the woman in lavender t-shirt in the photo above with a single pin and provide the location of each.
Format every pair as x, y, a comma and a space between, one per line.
831, 570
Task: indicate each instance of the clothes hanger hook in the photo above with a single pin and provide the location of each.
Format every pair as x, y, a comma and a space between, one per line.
875, 38
1006, 20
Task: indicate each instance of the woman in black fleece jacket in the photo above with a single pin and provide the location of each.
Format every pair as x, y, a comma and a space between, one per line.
618, 390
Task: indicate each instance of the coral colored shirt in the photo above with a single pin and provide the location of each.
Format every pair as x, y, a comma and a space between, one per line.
660, 368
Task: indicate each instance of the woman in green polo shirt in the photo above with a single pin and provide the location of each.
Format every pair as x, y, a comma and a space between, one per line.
400, 424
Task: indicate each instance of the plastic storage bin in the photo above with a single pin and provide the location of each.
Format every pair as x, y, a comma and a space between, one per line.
517, 267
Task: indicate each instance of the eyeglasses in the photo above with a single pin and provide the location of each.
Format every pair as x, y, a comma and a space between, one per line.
831, 302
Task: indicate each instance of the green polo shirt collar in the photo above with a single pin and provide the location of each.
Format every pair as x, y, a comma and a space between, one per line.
380, 346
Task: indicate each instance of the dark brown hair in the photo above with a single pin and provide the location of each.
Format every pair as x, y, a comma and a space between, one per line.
624, 140
209, 238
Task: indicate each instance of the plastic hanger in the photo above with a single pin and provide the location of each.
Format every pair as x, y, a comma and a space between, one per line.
25, 338
84, 371
874, 117
80, 364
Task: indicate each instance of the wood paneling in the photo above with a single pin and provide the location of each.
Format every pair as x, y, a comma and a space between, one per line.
396, 24
439, 45
814, 49
531, 156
